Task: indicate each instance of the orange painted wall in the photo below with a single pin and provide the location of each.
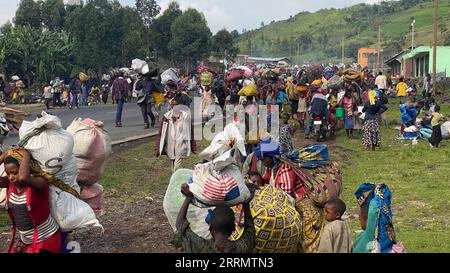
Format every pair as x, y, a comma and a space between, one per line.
364, 61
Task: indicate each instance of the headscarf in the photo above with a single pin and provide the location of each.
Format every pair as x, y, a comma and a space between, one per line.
380, 195
268, 148
36, 170
372, 95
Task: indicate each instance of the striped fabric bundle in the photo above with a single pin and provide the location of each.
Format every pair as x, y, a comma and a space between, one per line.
215, 188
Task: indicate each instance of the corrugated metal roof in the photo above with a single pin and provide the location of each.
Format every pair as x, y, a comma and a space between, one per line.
268, 59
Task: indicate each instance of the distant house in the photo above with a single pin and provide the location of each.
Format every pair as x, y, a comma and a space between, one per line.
363, 55
422, 60
399, 66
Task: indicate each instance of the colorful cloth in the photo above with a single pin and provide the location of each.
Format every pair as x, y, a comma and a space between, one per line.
278, 225
371, 134
311, 156
378, 197
312, 224
268, 148
286, 131
285, 178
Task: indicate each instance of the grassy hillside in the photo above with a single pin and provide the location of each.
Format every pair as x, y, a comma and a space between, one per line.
318, 36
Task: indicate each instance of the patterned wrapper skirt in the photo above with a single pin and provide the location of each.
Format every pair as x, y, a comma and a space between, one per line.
371, 133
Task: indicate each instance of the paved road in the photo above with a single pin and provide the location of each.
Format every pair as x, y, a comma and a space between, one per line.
132, 121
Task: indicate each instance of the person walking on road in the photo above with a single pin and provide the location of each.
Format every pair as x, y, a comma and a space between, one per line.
76, 87
144, 87
120, 96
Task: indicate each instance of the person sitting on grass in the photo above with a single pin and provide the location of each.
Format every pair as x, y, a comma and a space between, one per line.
221, 228
336, 236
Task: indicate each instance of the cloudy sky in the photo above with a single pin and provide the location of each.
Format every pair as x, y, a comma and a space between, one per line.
220, 14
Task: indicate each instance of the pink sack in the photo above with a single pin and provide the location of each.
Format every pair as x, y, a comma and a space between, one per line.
92, 147
92, 195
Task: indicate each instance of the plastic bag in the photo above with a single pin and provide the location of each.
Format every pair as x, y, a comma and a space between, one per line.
70, 212
220, 150
52, 147
173, 200
140, 66
169, 75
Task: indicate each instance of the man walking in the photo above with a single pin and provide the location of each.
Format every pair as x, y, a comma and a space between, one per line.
120, 96
381, 82
145, 90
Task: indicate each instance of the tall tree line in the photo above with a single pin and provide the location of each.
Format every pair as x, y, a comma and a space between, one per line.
49, 38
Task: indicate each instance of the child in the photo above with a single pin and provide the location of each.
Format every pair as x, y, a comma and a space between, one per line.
436, 121
286, 132
302, 109
336, 236
256, 178
401, 90
221, 228
281, 99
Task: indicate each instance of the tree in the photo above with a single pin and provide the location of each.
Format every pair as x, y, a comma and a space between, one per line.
235, 34
53, 13
161, 32
28, 14
190, 37
262, 24
223, 46
147, 9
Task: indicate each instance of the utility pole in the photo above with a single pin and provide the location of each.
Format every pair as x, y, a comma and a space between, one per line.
435, 30
379, 48
413, 24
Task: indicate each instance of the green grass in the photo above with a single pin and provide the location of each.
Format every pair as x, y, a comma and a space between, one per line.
418, 177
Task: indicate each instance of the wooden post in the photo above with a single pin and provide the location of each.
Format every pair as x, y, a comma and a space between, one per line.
435, 29
379, 48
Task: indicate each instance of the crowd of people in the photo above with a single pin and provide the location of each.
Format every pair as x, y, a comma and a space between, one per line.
364, 102
302, 94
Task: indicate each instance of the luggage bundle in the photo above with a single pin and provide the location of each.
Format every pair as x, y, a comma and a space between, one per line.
249, 90
206, 78
170, 75
52, 148
352, 74
234, 75
271, 75
83, 77
321, 176
278, 225
335, 83
220, 181
173, 200
140, 66
92, 147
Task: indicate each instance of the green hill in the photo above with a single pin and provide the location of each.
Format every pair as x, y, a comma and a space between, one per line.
317, 37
